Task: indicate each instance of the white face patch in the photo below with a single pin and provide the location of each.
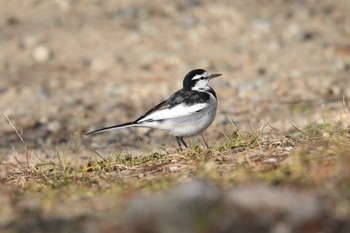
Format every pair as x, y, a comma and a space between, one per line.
198, 76
201, 85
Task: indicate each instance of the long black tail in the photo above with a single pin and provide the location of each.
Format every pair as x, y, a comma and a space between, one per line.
125, 125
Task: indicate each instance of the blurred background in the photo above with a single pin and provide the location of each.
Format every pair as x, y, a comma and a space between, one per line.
67, 67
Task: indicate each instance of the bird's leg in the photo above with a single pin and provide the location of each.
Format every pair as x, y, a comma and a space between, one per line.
178, 142
206, 144
183, 141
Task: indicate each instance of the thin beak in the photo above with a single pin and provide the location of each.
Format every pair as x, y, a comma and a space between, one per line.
214, 75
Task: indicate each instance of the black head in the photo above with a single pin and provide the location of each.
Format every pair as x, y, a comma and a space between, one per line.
197, 80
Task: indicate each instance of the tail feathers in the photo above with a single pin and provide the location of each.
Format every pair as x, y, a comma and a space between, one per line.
125, 125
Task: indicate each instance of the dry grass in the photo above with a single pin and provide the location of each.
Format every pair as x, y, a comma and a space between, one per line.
313, 160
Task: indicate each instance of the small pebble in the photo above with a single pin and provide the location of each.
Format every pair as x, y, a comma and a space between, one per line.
41, 54
54, 126
270, 160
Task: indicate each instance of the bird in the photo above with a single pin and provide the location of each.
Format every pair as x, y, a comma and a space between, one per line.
187, 112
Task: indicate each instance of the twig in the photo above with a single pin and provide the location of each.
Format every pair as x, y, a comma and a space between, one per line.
14, 156
345, 105
300, 131
95, 152
26, 149
20, 137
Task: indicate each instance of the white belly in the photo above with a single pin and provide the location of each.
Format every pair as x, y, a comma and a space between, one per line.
191, 125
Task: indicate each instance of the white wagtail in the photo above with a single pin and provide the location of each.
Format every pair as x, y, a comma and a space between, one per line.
188, 112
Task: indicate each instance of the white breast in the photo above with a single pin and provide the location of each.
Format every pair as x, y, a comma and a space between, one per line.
188, 124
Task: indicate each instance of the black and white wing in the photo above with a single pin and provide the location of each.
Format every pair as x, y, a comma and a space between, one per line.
180, 104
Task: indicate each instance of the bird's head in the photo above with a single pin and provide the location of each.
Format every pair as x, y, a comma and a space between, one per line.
197, 80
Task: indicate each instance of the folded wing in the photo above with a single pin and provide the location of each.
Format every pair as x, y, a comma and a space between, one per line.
178, 105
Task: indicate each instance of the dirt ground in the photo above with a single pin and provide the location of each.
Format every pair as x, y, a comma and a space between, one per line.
68, 67
73, 66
